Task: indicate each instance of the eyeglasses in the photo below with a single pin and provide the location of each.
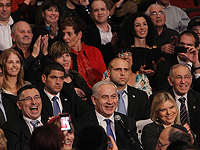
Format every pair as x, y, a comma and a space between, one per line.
161, 145
7, 5
29, 98
186, 77
123, 55
183, 44
159, 13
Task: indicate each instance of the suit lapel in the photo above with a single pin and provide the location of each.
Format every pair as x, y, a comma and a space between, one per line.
46, 103
131, 100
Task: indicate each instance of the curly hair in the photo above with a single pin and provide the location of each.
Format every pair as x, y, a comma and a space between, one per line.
128, 31
77, 23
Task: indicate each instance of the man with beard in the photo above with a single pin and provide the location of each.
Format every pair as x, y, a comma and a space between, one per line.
34, 58
131, 101
189, 40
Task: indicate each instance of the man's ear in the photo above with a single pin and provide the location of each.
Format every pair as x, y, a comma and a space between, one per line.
169, 80
19, 105
93, 100
108, 73
44, 78
80, 34
13, 36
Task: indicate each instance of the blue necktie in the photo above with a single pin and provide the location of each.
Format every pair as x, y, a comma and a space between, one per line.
34, 123
109, 130
121, 104
56, 107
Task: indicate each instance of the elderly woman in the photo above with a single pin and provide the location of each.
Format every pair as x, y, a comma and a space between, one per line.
48, 22
138, 32
87, 60
61, 53
12, 63
164, 113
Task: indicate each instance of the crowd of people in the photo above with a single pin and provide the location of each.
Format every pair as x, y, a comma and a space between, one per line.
80, 75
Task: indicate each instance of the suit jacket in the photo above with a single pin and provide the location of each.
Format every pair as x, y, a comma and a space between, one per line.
193, 101
93, 38
9, 103
138, 104
162, 72
122, 139
17, 133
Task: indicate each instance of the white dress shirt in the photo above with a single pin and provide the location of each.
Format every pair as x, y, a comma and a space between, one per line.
103, 123
50, 96
5, 34
105, 36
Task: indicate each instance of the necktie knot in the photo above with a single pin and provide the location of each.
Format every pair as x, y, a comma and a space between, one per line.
34, 123
54, 98
121, 92
107, 121
182, 100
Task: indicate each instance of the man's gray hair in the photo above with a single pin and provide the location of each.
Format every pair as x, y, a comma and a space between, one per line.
96, 87
14, 27
147, 12
171, 73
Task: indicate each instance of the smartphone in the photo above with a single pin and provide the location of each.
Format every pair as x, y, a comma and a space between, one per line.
180, 49
65, 122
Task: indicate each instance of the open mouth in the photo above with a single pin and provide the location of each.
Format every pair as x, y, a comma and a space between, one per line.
34, 108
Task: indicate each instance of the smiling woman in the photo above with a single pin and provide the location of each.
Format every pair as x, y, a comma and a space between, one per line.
164, 113
13, 73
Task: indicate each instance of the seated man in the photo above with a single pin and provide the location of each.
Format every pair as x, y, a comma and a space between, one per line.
87, 60
101, 34
19, 129
105, 100
55, 101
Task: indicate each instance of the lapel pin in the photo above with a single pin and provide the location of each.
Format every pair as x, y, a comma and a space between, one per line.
133, 96
65, 99
194, 107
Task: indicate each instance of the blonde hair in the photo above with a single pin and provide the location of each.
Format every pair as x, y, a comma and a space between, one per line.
3, 59
3, 140
158, 100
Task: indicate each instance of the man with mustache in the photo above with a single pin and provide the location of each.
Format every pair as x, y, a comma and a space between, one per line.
34, 58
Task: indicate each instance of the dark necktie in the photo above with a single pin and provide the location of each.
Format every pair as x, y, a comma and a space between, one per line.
109, 130
121, 104
34, 123
56, 107
183, 111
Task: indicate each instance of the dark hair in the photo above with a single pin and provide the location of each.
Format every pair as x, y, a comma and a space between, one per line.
25, 87
58, 49
92, 137
123, 48
46, 5
128, 31
178, 135
77, 23
47, 137
53, 66
191, 33
195, 21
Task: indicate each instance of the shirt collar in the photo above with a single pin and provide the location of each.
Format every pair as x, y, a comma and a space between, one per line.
10, 22
50, 96
101, 30
178, 96
28, 120
101, 118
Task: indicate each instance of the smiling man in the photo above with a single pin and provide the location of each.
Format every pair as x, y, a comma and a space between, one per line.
133, 102
19, 129
105, 101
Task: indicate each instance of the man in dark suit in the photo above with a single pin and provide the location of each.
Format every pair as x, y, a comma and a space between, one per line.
190, 40
136, 102
19, 129
101, 34
8, 106
53, 78
105, 100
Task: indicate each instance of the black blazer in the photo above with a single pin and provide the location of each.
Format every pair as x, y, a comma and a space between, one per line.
9, 103
93, 38
138, 104
122, 140
17, 133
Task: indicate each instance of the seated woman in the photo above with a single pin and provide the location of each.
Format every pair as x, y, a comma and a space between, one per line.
138, 31
12, 63
60, 52
137, 80
48, 22
164, 113
87, 60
